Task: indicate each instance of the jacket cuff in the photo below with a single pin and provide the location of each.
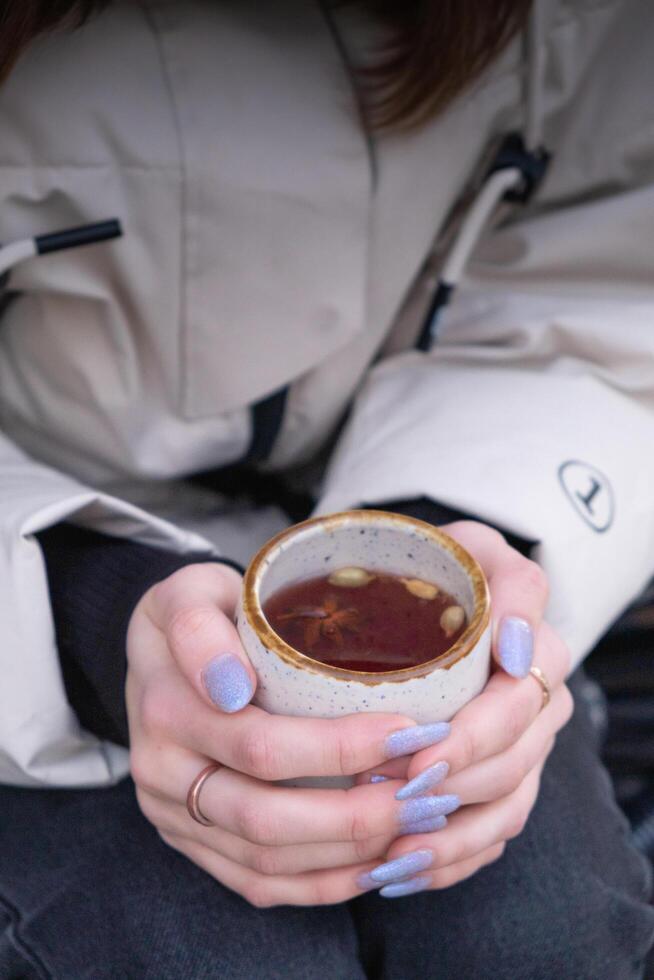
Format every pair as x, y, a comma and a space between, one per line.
432, 512
554, 455
95, 581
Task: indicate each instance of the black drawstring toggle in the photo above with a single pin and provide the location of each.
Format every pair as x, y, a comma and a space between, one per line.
532, 164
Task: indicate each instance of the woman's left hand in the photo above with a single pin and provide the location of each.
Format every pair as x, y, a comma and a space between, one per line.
499, 742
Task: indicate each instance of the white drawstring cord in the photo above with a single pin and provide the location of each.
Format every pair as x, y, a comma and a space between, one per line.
491, 193
15, 252
499, 182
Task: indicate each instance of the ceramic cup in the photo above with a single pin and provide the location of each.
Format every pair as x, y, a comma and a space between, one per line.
291, 683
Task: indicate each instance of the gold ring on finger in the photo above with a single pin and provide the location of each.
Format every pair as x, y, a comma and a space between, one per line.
538, 674
193, 795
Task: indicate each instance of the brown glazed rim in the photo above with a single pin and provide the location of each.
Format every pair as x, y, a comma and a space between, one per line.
270, 639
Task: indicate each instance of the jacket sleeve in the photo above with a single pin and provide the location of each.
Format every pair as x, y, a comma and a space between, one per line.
535, 409
41, 739
95, 582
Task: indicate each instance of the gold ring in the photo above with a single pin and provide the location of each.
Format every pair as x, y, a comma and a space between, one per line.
544, 683
193, 795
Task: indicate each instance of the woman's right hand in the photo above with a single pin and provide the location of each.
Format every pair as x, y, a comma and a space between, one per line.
188, 687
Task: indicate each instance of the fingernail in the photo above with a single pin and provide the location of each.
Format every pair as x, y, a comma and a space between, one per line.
227, 682
426, 808
414, 738
429, 826
402, 867
417, 884
424, 781
515, 646
376, 778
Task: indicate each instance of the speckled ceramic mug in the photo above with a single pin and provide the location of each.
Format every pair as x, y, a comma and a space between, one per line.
291, 683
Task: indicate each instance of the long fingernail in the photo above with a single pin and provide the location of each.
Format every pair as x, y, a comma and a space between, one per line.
424, 781
402, 867
227, 682
429, 826
414, 738
417, 884
377, 778
427, 807
515, 646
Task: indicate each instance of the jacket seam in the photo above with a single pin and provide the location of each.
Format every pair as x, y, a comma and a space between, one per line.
350, 73
182, 333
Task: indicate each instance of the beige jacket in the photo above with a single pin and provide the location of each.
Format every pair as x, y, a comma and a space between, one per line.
270, 240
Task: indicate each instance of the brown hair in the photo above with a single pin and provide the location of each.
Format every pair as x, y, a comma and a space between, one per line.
435, 48
23, 20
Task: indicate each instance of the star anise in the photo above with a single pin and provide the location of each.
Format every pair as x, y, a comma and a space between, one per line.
326, 620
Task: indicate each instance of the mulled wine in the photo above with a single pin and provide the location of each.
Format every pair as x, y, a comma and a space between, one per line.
366, 620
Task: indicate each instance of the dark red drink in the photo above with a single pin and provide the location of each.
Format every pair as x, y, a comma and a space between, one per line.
363, 620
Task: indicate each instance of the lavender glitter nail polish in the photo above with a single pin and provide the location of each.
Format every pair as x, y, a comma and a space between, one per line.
400, 888
401, 867
427, 807
414, 738
515, 646
227, 682
429, 826
377, 778
424, 781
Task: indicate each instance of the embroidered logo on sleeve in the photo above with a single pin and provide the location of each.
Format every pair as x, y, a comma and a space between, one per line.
589, 492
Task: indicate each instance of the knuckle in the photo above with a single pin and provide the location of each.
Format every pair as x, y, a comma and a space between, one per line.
495, 853
258, 894
141, 769
170, 839
147, 805
163, 593
568, 704
256, 754
515, 824
509, 779
190, 575
253, 823
565, 655
265, 860
468, 747
520, 768
346, 751
140, 799
491, 534
368, 849
443, 878
159, 593
534, 577
187, 622
453, 854
358, 828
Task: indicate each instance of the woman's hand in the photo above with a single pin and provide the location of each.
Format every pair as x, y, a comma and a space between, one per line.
188, 687
493, 759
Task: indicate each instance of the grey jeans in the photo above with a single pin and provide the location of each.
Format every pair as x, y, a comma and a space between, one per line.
88, 890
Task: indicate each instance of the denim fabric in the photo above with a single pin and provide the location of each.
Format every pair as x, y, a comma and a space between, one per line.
88, 891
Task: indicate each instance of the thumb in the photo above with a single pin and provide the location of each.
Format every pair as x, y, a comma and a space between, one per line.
195, 610
518, 590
